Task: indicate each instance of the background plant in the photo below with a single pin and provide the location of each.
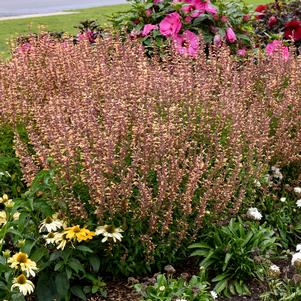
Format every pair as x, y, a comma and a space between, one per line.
213, 22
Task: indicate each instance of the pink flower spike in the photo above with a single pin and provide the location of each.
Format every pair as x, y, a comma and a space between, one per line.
170, 25
148, 28
230, 35
187, 43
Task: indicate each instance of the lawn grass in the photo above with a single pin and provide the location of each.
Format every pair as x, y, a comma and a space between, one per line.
10, 29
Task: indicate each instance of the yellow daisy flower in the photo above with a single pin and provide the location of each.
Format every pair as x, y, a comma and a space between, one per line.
21, 260
78, 233
24, 285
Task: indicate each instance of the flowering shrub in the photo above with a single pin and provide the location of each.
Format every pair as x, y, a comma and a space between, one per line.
124, 151
279, 20
178, 23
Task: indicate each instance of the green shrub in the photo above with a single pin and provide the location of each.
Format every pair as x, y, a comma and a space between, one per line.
235, 253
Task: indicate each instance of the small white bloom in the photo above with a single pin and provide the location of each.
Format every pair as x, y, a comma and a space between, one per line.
296, 259
277, 173
109, 231
283, 200
254, 214
297, 189
257, 183
298, 247
214, 295
24, 285
16, 216
181, 299
51, 224
274, 271
298, 203
162, 288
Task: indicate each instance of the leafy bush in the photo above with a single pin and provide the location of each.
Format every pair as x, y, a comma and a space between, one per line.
166, 288
235, 253
158, 24
277, 21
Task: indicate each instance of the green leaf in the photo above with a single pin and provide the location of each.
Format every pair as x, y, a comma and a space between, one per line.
84, 249
78, 292
94, 262
75, 265
62, 284
227, 258
38, 254
59, 265
46, 289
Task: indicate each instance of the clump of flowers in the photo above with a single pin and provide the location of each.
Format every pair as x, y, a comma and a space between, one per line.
180, 22
61, 235
278, 21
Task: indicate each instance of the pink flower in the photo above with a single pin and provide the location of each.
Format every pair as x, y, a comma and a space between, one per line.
242, 52
157, 1
170, 25
87, 35
230, 35
246, 18
148, 12
224, 19
135, 34
275, 47
196, 7
148, 28
217, 41
272, 21
187, 43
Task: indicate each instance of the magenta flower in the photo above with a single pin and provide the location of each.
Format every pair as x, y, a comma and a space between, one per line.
148, 12
157, 1
217, 41
196, 7
148, 28
170, 25
275, 47
242, 52
187, 43
230, 35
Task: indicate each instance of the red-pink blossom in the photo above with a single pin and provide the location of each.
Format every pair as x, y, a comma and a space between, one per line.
272, 21
148, 12
275, 47
242, 51
170, 25
230, 35
148, 28
187, 43
293, 30
217, 41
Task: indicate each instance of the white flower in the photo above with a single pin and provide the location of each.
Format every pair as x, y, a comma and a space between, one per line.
297, 189
21, 260
109, 231
274, 270
298, 247
283, 200
257, 183
181, 299
50, 238
296, 259
214, 295
298, 203
162, 288
16, 216
24, 285
3, 218
51, 224
277, 173
253, 213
